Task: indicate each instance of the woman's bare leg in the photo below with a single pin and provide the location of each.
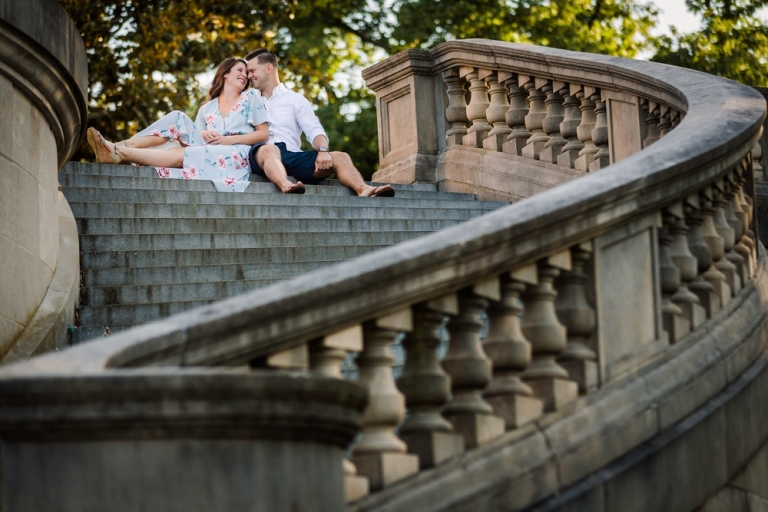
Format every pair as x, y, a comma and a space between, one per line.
173, 157
147, 141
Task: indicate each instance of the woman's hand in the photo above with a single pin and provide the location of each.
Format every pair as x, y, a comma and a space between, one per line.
211, 137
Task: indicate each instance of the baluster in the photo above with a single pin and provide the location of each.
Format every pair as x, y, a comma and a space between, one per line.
511, 398
540, 326
426, 387
470, 369
674, 118
518, 109
478, 104
726, 232
551, 123
716, 244
536, 114
745, 202
757, 163
584, 131
687, 264
578, 317
570, 125
675, 323
738, 212
456, 112
497, 112
652, 123
702, 284
665, 121
739, 254
602, 158
379, 454
325, 358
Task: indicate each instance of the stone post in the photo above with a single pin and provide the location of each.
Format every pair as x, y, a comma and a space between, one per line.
602, 158
570, 125
716, 244
551, 123
379, 454
673, 319
478, 104
726, 264
541, 327
665, 121
470, 369
505, 344
584, 131
536, 87
456, 112
426, 387
496, 113
515, 116
652, 122
739, 256
686, 263
701, 285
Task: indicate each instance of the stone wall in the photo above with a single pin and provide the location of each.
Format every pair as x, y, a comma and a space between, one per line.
43, 83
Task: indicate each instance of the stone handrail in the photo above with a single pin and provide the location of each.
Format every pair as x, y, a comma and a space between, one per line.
641, 255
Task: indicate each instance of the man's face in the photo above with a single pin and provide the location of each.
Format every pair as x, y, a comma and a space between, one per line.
257, 73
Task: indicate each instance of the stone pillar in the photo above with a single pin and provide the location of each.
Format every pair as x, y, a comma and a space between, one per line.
541, 327
652, 122
726, 232
673, 319
702, 284
505, 344
536, 114
602, 158
578, 317
478, 104
716, 244
584, 131
551, 123
515, 116
426, 387
570, 125
496, 113
325, 358
739, 256
757, 167
686, 263
665, 121
470, 369
379, 454
456, 112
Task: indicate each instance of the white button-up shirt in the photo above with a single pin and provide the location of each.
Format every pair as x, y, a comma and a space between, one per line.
289, 113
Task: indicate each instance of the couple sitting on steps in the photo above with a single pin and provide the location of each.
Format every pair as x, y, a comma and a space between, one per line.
239, 131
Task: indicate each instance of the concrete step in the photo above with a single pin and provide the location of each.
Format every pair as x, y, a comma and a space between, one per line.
106, 277
114, 226
162, 293
466, 210
127, 195
82, 168
69, 181
242, 240
199, 257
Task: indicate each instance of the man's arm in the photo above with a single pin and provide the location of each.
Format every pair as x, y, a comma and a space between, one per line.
324, 159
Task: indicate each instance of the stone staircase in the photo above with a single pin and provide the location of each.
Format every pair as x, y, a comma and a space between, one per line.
153, 247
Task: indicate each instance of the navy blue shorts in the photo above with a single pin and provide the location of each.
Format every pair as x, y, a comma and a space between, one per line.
299, 164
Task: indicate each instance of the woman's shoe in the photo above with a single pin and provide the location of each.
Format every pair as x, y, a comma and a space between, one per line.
103, 155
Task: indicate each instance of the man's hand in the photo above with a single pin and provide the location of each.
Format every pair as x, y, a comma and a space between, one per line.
324, 161
211, 137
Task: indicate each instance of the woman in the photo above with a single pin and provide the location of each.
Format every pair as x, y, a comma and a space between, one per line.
214, 147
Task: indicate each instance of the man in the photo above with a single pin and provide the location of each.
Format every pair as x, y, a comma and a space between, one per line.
289, 114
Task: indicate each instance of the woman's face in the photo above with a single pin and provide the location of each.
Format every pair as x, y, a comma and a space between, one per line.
237, 77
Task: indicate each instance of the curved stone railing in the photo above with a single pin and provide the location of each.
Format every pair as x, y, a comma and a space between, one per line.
642, 291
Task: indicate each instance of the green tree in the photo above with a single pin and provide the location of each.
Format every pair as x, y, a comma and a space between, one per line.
732, 42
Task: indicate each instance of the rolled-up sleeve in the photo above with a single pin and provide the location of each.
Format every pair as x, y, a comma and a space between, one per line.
307, 120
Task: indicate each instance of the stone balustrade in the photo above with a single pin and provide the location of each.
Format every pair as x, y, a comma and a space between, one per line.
595, 293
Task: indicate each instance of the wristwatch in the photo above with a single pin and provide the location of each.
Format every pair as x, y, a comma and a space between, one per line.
323, 148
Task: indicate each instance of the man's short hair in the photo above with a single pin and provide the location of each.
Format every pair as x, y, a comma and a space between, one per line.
263, 55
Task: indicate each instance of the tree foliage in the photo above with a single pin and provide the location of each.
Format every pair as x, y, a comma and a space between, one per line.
732, 42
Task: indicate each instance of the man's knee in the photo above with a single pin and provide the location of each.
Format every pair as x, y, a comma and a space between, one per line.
267, 152
340, 159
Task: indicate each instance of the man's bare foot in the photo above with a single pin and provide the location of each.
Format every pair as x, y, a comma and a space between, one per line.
291, 188
380, 191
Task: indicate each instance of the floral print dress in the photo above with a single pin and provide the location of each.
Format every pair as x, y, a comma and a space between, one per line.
226, 166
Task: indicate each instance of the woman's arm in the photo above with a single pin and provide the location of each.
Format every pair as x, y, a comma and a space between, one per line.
260, 134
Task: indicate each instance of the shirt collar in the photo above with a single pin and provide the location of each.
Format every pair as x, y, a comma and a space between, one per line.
277, 91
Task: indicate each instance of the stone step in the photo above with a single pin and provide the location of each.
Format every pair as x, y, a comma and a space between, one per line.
69, 181
114, 226
466, 210
127, 195
135, 314
105, 277
242, 240
200, 257
82, 168
176, 292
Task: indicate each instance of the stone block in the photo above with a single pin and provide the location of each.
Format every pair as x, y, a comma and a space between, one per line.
583, 372
694, 313
516, 410
710, 301
355, 487
475, 138
477, 429
599, 163
676, 327
514, 146
432, 448
384, 469
533, 149
550, 154
455, 139
555, 393
723, 292
754, 477
731, 499
568, 158
583, 162
495, 142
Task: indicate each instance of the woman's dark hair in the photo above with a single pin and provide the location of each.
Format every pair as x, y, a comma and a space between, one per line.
218, 80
